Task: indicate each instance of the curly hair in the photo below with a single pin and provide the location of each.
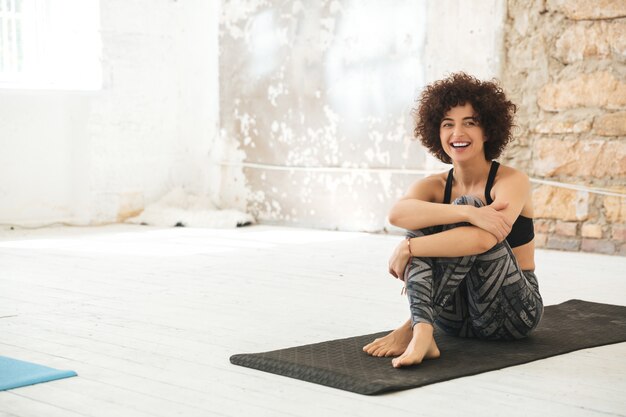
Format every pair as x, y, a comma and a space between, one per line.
494, 112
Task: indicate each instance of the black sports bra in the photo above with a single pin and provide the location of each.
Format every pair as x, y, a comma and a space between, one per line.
523, 230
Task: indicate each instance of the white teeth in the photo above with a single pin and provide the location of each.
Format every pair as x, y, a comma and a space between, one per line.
459, 144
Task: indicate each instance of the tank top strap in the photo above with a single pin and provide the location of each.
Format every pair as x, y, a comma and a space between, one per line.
490, 179
448, 191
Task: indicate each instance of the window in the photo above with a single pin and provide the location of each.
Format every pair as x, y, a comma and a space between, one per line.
11, 36
50, 44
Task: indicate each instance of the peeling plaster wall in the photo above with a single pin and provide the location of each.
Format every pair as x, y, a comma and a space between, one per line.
98, 157
317, 93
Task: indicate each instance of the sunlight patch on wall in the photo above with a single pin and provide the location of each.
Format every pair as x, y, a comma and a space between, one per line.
331, 85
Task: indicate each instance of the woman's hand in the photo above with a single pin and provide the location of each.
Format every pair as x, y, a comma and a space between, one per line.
491, 219
399, 260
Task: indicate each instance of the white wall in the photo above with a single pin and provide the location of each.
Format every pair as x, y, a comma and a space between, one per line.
96, 157
329, 85
332, 85
464, 36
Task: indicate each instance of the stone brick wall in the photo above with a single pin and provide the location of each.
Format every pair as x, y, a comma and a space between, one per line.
566, 69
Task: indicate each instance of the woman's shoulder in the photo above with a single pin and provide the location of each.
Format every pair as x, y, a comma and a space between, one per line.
509, 174
512, 181
429, 188
434, 181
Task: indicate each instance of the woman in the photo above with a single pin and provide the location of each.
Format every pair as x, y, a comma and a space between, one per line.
468, 260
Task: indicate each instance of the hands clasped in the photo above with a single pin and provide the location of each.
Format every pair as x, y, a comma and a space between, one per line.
491, 219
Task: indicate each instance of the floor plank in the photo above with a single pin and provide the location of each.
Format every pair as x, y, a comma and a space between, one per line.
148, 317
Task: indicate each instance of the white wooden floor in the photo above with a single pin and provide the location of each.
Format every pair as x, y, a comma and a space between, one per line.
149, 317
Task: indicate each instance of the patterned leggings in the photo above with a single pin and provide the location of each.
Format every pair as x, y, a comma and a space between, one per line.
485, 295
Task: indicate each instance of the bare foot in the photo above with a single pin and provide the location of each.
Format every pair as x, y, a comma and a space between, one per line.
393, 344
422, 346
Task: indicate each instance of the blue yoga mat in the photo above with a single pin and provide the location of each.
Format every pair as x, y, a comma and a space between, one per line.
15, 373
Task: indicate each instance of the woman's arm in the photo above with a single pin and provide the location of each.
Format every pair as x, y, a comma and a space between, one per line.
460, 241
511, 194
512, 191
418, 209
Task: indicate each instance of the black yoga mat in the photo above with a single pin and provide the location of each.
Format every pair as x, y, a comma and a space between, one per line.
342, 364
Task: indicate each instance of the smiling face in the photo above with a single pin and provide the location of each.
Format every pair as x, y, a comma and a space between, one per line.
462, 137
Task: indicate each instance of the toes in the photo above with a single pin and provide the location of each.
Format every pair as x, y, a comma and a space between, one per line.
405, 360
378, 352
396, 362
370, 347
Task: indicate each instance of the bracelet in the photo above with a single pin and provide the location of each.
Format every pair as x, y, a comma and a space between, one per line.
408, 245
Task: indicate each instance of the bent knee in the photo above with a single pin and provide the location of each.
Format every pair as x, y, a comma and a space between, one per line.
421, 232
468, 200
